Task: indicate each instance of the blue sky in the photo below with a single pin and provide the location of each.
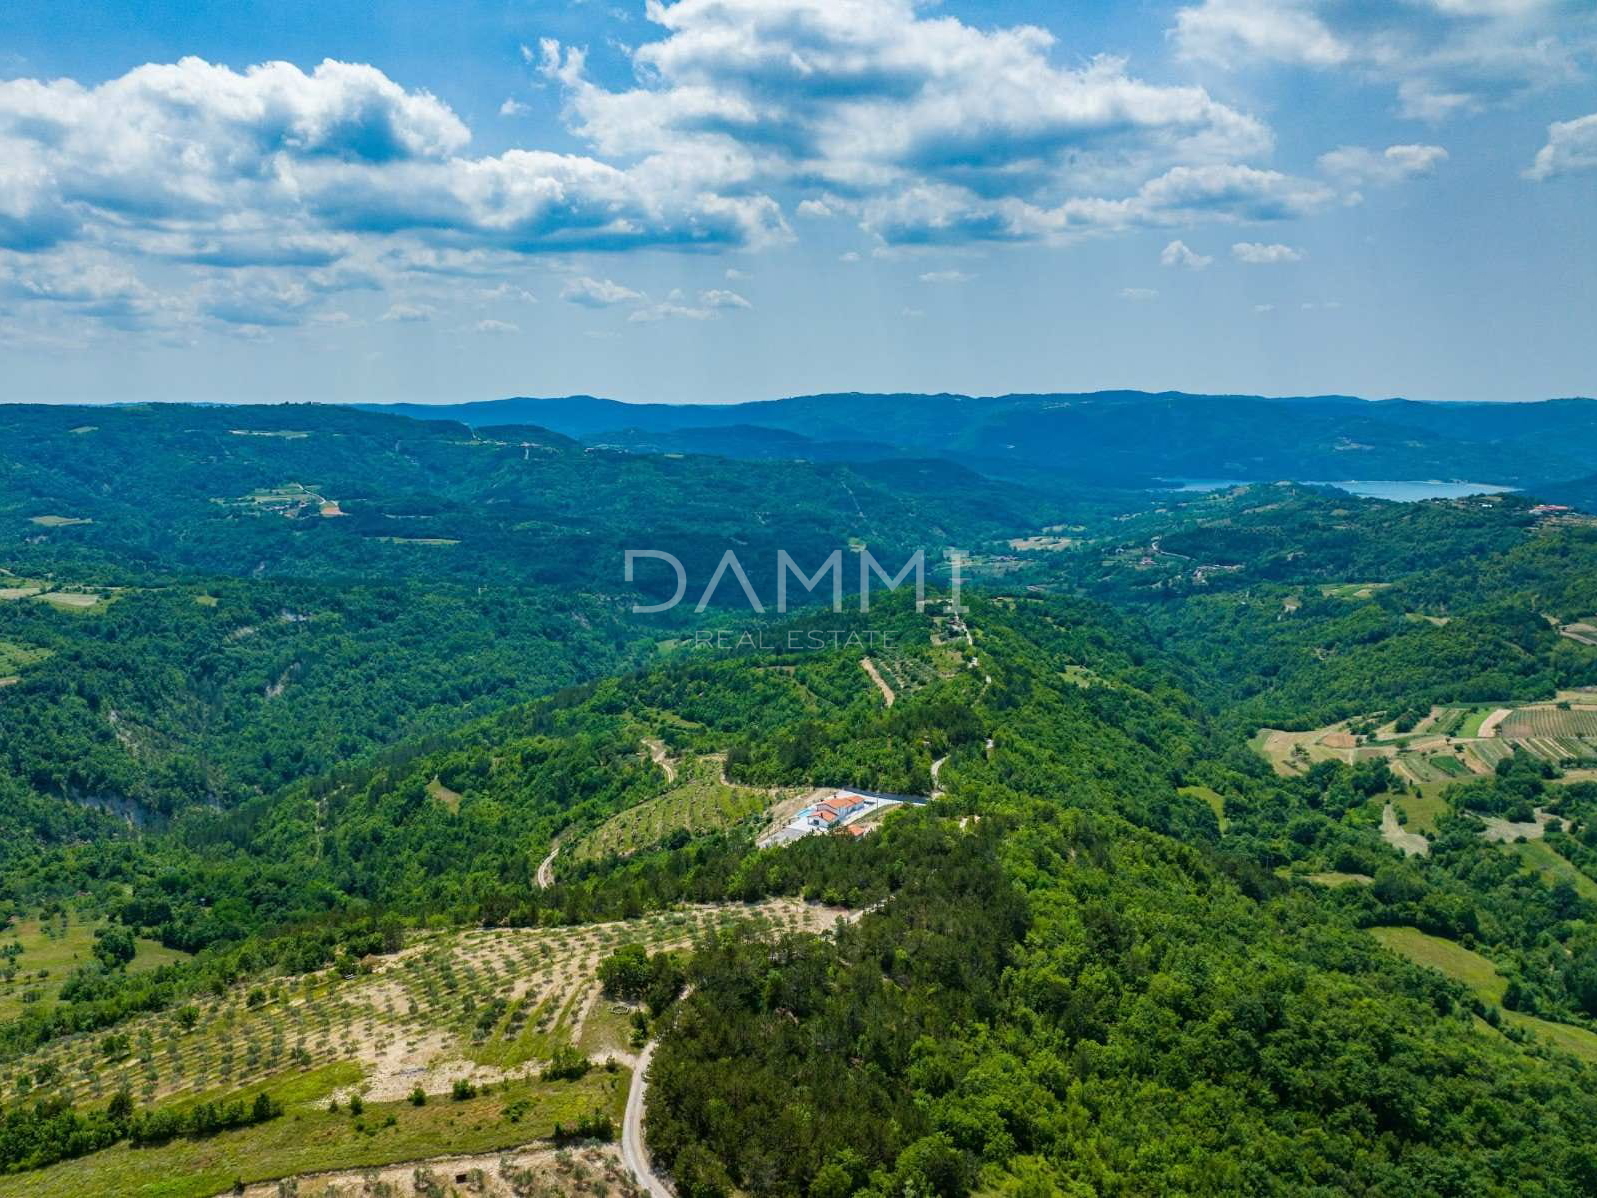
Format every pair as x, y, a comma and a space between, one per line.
739, 199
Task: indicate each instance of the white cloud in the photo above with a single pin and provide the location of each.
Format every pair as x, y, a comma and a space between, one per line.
670, 310
884, 107
1178, 253
1357, 165
1441, 56
1571, 146
946, 276
497, 327
1257, 254
1182, 195
514, 107
1138, 294
1264, 307
720, 298
507, 292
408, 313
338, 170
733, 274
598, 293
848, 256
81, 282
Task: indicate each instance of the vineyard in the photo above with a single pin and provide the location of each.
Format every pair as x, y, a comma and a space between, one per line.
1550, 722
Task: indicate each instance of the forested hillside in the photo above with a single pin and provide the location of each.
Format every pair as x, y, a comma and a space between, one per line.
1111, 438
1230, 843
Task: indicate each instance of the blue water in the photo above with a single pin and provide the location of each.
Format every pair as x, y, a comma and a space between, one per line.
1398, 490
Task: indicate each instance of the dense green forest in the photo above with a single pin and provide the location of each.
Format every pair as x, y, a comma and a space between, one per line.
1123, 949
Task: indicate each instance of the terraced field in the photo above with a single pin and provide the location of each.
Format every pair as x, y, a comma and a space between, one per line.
698, 802
484, 1006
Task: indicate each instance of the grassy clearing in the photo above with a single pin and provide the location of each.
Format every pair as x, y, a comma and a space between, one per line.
307, 1141
1553, 866
1483, 980
1352, 590
52, 949
698, 803
1337, 878
75, 601
1472, 723
440, 792
1420, 812
59, 521
1444, 956
1210, 796
15, 657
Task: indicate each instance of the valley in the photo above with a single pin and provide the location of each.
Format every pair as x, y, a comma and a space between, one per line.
354, 871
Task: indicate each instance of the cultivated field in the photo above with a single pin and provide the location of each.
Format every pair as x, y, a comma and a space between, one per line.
487, 1006
1554, 722
1449, 745
698, 802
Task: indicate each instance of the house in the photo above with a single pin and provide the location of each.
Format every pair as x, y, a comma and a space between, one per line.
828, 812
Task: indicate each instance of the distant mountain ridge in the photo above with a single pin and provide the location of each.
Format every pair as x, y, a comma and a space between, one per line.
1119, 438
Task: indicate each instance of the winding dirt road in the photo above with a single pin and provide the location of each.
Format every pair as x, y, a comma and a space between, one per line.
633, 1151
869, 667
658, 756
546, 868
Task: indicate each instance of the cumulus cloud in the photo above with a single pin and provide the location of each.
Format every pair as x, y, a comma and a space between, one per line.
1184, 194
1357, 165
1178, 253
597, 293
1571, 146
278, 167
1257, 254
946, 276
497, 327
1138, 294
721, 298
1442, 56
920, 126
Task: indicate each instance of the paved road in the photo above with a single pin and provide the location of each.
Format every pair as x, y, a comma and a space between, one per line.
633, 1151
